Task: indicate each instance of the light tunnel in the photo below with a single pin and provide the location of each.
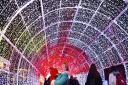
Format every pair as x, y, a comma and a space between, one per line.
38, 34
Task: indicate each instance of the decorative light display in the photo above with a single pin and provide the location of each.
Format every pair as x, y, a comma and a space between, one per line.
3, 78
79, 32
1, 65
4, 64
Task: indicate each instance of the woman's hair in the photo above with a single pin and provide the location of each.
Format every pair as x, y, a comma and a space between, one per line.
92, 68
93, 71
66, 66
113, 69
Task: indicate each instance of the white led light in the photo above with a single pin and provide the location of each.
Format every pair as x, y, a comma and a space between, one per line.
126, 1
0, 38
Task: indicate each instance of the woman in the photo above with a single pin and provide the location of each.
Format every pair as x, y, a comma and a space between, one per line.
62, 78
115, 77
53, 73
93, 77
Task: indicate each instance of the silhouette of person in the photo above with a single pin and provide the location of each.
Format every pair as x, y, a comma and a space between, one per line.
53, 73
115, 77
73, 81
93, 77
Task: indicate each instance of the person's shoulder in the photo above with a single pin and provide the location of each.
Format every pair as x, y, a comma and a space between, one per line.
65, 74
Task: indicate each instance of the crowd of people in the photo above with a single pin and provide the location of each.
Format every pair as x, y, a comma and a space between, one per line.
93, 77
62, 78
115, 77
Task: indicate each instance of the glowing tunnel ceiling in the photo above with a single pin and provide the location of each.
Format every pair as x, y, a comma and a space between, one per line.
81, 31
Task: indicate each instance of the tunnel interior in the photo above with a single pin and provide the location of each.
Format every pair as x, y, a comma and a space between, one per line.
38, 34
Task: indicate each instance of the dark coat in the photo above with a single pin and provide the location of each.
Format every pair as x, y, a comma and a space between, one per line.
73, 82
93, 77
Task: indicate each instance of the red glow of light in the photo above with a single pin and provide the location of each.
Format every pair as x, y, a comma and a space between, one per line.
71, 55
